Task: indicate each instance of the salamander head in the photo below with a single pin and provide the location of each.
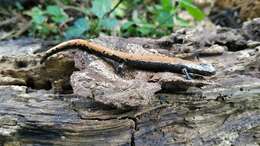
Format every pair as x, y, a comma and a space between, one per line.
209, 69
202, 69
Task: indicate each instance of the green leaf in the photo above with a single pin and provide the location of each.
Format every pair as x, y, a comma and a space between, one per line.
101, 7
108, 23
79, 27
82, 24
166, 5
57, 14
146, 29
86, 11
192, 9
37, 15
188, 1
165, 18
54, 10
127, 25
59, 19
181, 22
120, 11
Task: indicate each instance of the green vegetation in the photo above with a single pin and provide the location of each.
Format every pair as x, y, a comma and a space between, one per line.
70, 19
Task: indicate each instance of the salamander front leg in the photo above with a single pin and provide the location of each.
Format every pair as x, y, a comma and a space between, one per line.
186, 73
120, 68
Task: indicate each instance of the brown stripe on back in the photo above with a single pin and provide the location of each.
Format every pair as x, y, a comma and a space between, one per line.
93, 47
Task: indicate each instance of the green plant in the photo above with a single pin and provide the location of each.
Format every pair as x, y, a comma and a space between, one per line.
164, 18
128, 18
47, 21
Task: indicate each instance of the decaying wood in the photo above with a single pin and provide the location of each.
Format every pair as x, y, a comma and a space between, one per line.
248, 9
133, 107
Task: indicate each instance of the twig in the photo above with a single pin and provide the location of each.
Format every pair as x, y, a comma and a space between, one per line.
8, 21
65, 7
16, 34
113, 9
4, 12
73, 8
23, 29
7, 35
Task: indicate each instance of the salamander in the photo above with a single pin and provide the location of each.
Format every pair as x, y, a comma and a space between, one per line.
145, 62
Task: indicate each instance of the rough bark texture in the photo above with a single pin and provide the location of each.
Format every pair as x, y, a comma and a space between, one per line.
135, 107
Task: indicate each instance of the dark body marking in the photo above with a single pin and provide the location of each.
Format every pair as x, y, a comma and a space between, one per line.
145, 62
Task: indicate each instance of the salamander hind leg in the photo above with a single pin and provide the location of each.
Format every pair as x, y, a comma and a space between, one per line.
186, 73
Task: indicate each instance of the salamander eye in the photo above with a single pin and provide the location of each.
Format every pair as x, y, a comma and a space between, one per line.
204, 64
